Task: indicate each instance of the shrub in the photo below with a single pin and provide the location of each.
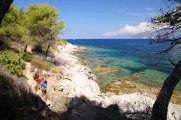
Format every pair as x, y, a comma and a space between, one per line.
25, 56
13, 63
41, 63
61, 42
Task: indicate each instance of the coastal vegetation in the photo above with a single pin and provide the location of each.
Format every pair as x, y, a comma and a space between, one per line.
33, 26
28, 38
25, 33
13, 63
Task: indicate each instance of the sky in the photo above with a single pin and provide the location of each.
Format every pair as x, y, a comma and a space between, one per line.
99, 19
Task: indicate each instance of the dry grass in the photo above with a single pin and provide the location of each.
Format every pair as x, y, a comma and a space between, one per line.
55, 70
41, 64
61, 42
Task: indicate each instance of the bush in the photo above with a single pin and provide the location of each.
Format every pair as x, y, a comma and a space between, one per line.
13, 63
25, 56
61, 42
41, 63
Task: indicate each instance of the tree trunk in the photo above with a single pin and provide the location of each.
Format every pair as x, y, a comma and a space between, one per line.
4, 6
25, 48
160, 107
46, 53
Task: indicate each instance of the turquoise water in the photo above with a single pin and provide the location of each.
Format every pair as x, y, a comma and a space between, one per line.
128, 58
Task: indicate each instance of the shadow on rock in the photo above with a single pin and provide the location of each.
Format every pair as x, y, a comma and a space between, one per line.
80, 108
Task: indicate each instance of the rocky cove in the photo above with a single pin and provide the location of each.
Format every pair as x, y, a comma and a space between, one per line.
116, 79
74, 85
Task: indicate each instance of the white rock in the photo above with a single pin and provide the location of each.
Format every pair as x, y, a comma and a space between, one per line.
79, 84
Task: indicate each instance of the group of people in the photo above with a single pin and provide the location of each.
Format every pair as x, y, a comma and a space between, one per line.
41, 81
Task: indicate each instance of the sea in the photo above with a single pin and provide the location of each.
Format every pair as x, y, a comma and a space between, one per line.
116, 59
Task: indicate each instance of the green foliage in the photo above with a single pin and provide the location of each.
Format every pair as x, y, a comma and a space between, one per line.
25, 56
43, 21
58, 42
38, 25
61, 42
172, 17
41, 63
12, 27
178, 8
159, 18
13, 63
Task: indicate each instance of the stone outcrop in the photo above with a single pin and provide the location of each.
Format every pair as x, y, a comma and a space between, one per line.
77, 80
74, 81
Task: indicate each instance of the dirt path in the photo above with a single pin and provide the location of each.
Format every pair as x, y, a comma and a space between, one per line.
55, 101
29, 75
32, 83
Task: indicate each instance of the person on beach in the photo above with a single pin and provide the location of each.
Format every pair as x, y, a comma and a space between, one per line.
39, 79
36, 74
36, 77
44, 86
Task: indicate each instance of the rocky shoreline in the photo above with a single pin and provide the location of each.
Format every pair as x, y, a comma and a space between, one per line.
75, 80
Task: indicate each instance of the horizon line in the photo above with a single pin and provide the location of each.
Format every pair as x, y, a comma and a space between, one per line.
105, 38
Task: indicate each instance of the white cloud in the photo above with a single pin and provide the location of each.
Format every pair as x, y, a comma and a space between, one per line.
142, 27
129, 29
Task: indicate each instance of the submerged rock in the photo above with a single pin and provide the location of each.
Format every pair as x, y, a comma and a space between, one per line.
101, 70
131, 84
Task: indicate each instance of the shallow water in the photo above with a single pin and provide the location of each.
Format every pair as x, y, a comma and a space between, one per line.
127, 57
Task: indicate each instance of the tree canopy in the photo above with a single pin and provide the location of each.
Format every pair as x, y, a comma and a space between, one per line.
170, 24
37, 24
42, 21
